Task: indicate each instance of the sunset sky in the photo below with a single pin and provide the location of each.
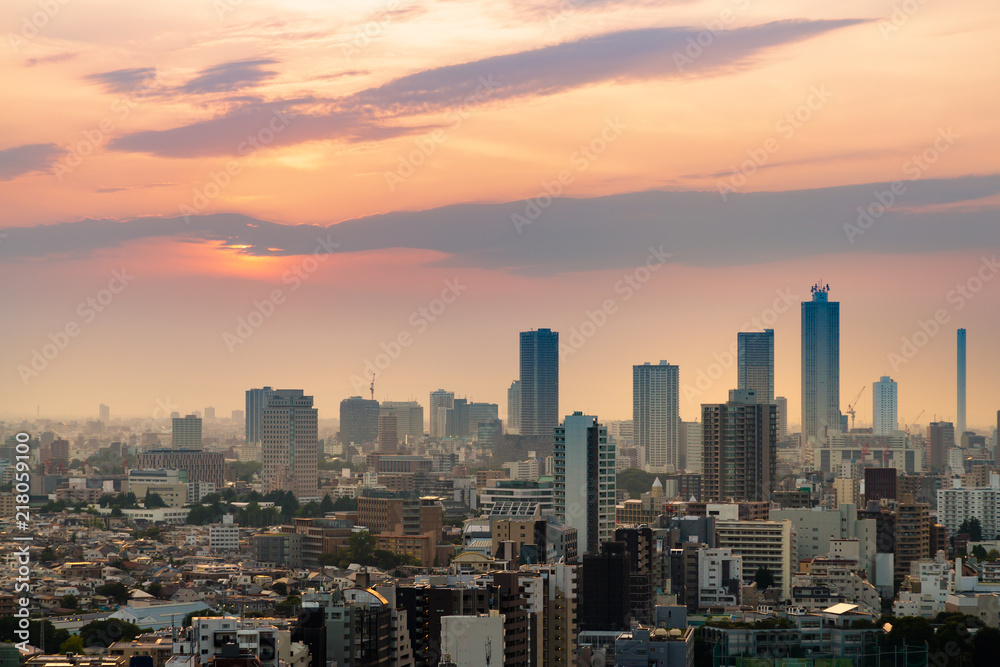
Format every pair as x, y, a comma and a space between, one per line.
669, 171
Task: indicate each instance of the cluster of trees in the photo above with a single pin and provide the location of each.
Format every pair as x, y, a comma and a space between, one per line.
286, 507
361, 550
51, 640
973, 528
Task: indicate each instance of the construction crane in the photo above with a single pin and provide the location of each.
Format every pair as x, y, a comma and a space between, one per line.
912, 421
850, 406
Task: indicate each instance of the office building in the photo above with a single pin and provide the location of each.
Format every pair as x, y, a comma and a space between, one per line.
256, 401
463, 419
289, 443
358, 420
210, 414
440, 402
816, 530
782, 404
656, 414
941, 439
755, 363
961, 380
474, 640
388, 435
820, 364
881, 483
720, 578
605, 589
539, 355
584, 492
104, 413
692, 446
551, 595
884, 420
186, 432
200, 466
739, 439
956, 504
409, 419
913, 534
514, 407
765, 544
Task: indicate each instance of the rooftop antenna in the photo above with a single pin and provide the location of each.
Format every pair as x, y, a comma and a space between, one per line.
373, 386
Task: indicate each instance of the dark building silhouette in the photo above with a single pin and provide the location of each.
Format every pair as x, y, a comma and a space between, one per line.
880, 483
604, 589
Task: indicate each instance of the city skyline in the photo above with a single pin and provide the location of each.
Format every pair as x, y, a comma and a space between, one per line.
183, 205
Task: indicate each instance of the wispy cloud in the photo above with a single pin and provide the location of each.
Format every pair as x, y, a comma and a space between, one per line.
21, 160
574, 235
378, 113
124, 80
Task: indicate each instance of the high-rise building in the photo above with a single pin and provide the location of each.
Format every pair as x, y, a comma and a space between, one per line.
289, 443
440, 402
256, 401
464, 419
104, 413
884, 419
782, 403
820, 364
358, 420
941, 438
201, 466
740, 448
186, 432
238, 417
514, 407
210, 413
656, 414
693, 446
755, 363
913, 534
409, 418
388, 435
539, 380
584, 494
881, 483
961, 381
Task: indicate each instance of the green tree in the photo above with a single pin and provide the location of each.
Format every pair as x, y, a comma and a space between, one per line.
345, 504
108, 631
764, 578
47, 556
69, 602
979, 551
116, 591
154, 589
973, 528
42, 634
326, 505
281, 588
153, 500
72, 645
992, 555
362, 545
985, 647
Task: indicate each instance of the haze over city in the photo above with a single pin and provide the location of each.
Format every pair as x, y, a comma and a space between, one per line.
537, 157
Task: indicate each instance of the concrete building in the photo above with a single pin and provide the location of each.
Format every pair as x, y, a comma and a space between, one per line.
388, 434
656, 414
514, 407
201, 466
782, 404
526, 470
186, 432
256, 400
289, 444
820, 365
507, 497
755, 363
739, 439
474, 641
409, 419
358, 420
224, 537
539, 357
440, 402
847, 490
585, 481
170, 485
761, 544
884, 406
692, 446
551, 593
957, 504
720, 578
913, 534
815, 531
647, 646
941, 439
